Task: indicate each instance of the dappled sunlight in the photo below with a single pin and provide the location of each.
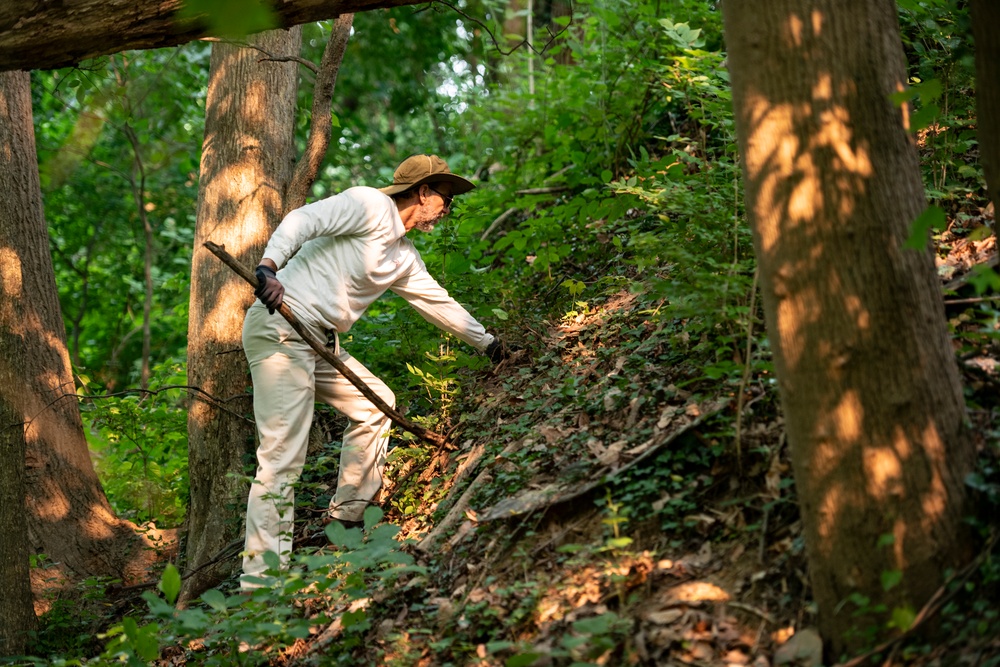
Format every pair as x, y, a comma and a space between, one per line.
223, 321
11, 273
935, 503
884, 472
831, 504
795, 313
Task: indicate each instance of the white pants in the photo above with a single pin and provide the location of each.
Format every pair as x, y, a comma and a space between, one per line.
288, 378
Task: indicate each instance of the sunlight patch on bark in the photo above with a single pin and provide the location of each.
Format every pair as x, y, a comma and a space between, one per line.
857, 311
830, 506
884, 473
835, 133
11, 273
848, 418
224, 322
935, 500
794, 313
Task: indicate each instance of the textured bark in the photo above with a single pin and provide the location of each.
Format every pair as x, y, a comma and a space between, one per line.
246, 165
46, 35
21, 194
68, 516
868, 380
986, 32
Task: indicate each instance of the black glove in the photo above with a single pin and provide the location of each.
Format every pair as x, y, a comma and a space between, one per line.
497, 351
269, 290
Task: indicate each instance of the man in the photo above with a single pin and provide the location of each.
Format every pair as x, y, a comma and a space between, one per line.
336, 256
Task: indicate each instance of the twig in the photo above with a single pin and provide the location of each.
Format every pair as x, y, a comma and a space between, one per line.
752, 610
524, 42
270, 56
746, 374
325, 353
499, 221
981, 299
543, 191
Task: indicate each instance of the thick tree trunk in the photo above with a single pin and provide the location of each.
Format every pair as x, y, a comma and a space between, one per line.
868, 381
46, 35
246, 166
68, 517
20, 196
986, 32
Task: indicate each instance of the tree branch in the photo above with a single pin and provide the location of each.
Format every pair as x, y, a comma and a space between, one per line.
320, 130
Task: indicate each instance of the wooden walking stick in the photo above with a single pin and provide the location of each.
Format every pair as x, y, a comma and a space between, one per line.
327, 354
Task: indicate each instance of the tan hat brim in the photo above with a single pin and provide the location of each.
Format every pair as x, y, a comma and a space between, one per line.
459, 185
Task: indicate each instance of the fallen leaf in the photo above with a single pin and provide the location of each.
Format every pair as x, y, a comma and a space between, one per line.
804, 649
665, 617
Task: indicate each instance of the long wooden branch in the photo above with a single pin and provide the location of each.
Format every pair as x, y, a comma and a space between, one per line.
46, 35
323, 351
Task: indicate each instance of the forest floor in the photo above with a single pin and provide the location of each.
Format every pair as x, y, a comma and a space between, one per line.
609, 502
617, 493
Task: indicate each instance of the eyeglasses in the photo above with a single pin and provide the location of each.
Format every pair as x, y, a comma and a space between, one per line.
447, 199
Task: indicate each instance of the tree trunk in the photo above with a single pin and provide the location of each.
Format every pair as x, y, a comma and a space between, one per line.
47, 35
986, 32
20, 193
868, 380
68, 517
246, 166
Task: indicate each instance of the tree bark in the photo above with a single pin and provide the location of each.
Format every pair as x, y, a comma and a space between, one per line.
16, 137
868, 380
68, 517
986, 33
47, 35
246, 165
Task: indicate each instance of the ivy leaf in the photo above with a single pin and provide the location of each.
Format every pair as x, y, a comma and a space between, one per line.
891, 579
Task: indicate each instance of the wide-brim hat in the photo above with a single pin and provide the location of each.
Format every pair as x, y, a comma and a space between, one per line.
419, 169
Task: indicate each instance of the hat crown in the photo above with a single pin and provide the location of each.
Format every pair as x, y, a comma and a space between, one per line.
418, 167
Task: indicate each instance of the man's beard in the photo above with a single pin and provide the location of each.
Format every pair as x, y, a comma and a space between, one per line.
426, 225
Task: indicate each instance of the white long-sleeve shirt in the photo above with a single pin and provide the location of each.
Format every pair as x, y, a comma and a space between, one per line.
337, 255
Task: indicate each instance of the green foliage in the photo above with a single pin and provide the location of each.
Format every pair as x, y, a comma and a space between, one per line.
232, 629
139, 444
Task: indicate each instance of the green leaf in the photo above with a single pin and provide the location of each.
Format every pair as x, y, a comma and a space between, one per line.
984, 279
500, 314
230, 18
885, 540
924, 117
214, 599
903, 618
170, 583
891, 579
343, 537
272, 561
373, 514
932, 218
607, 176
334, 120
522, 659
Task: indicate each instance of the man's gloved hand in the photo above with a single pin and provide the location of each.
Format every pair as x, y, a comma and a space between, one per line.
269, 290
497, 351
